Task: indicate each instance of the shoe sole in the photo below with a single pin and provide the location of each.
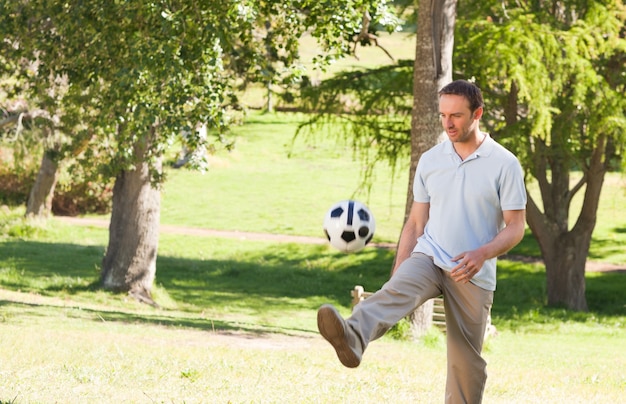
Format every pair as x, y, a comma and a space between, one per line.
331, 326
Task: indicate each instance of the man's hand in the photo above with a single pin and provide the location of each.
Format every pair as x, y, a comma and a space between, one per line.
469, 263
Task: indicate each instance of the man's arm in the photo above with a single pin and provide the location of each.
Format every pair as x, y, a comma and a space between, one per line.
470, 262
413, 228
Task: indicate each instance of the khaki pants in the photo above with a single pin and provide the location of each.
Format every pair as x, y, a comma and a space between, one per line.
467, 308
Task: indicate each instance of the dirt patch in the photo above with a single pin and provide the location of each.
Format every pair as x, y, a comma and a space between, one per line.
604, 267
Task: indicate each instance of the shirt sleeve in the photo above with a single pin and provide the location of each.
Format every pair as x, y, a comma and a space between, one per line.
420, 194
512, 188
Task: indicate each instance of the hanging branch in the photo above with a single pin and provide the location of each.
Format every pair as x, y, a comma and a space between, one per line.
365, 36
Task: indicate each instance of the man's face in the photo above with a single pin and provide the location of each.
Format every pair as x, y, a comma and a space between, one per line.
459, 122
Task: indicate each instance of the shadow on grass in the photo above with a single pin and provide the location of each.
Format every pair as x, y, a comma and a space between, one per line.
268, 279
160, 318
271, 278
521, 296
606, 247
620, 230
528, 247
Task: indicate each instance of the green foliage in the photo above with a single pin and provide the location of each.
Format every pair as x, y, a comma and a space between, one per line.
15, 186
561, 66
76, 196
13, 225
554, 79
80, 189
401, 331
554, 82
123, 74
551, 76
271, 53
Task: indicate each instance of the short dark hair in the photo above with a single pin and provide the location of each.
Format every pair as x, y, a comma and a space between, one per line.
466, 89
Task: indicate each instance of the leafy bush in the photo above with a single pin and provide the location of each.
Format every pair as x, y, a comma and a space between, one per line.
78, 190
401, 331
16, 178
15, 187
79, 197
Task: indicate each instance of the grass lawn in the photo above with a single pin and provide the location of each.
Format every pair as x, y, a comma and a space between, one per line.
238, 325
72, 354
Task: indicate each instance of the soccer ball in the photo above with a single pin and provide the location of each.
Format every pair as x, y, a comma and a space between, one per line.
349, 226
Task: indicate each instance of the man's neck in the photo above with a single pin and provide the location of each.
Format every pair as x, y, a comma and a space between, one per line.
465, 149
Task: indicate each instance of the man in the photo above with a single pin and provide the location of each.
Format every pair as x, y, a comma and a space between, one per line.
469, 207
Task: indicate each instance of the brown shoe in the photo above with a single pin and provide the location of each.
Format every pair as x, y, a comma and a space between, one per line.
335, 330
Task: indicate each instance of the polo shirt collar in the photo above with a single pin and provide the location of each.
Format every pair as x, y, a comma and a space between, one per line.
484, 149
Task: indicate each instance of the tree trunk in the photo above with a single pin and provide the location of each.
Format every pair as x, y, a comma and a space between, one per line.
565, 251
270, 93
431, 71
564, 254
422, 319
40, 198
565, 272
129, 264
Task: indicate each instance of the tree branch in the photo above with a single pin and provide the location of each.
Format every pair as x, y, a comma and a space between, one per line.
366, 36
11, 119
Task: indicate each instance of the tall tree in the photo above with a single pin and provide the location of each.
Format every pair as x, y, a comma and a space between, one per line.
138, 74
554, 73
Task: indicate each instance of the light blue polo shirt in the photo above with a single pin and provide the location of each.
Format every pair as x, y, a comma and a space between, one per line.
466, 201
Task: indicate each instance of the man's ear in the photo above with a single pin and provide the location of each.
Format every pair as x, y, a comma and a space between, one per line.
478, 113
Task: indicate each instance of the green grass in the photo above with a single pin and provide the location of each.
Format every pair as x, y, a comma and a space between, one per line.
239, 326
71, 355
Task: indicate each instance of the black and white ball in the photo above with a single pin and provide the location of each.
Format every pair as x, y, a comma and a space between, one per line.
349, 226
